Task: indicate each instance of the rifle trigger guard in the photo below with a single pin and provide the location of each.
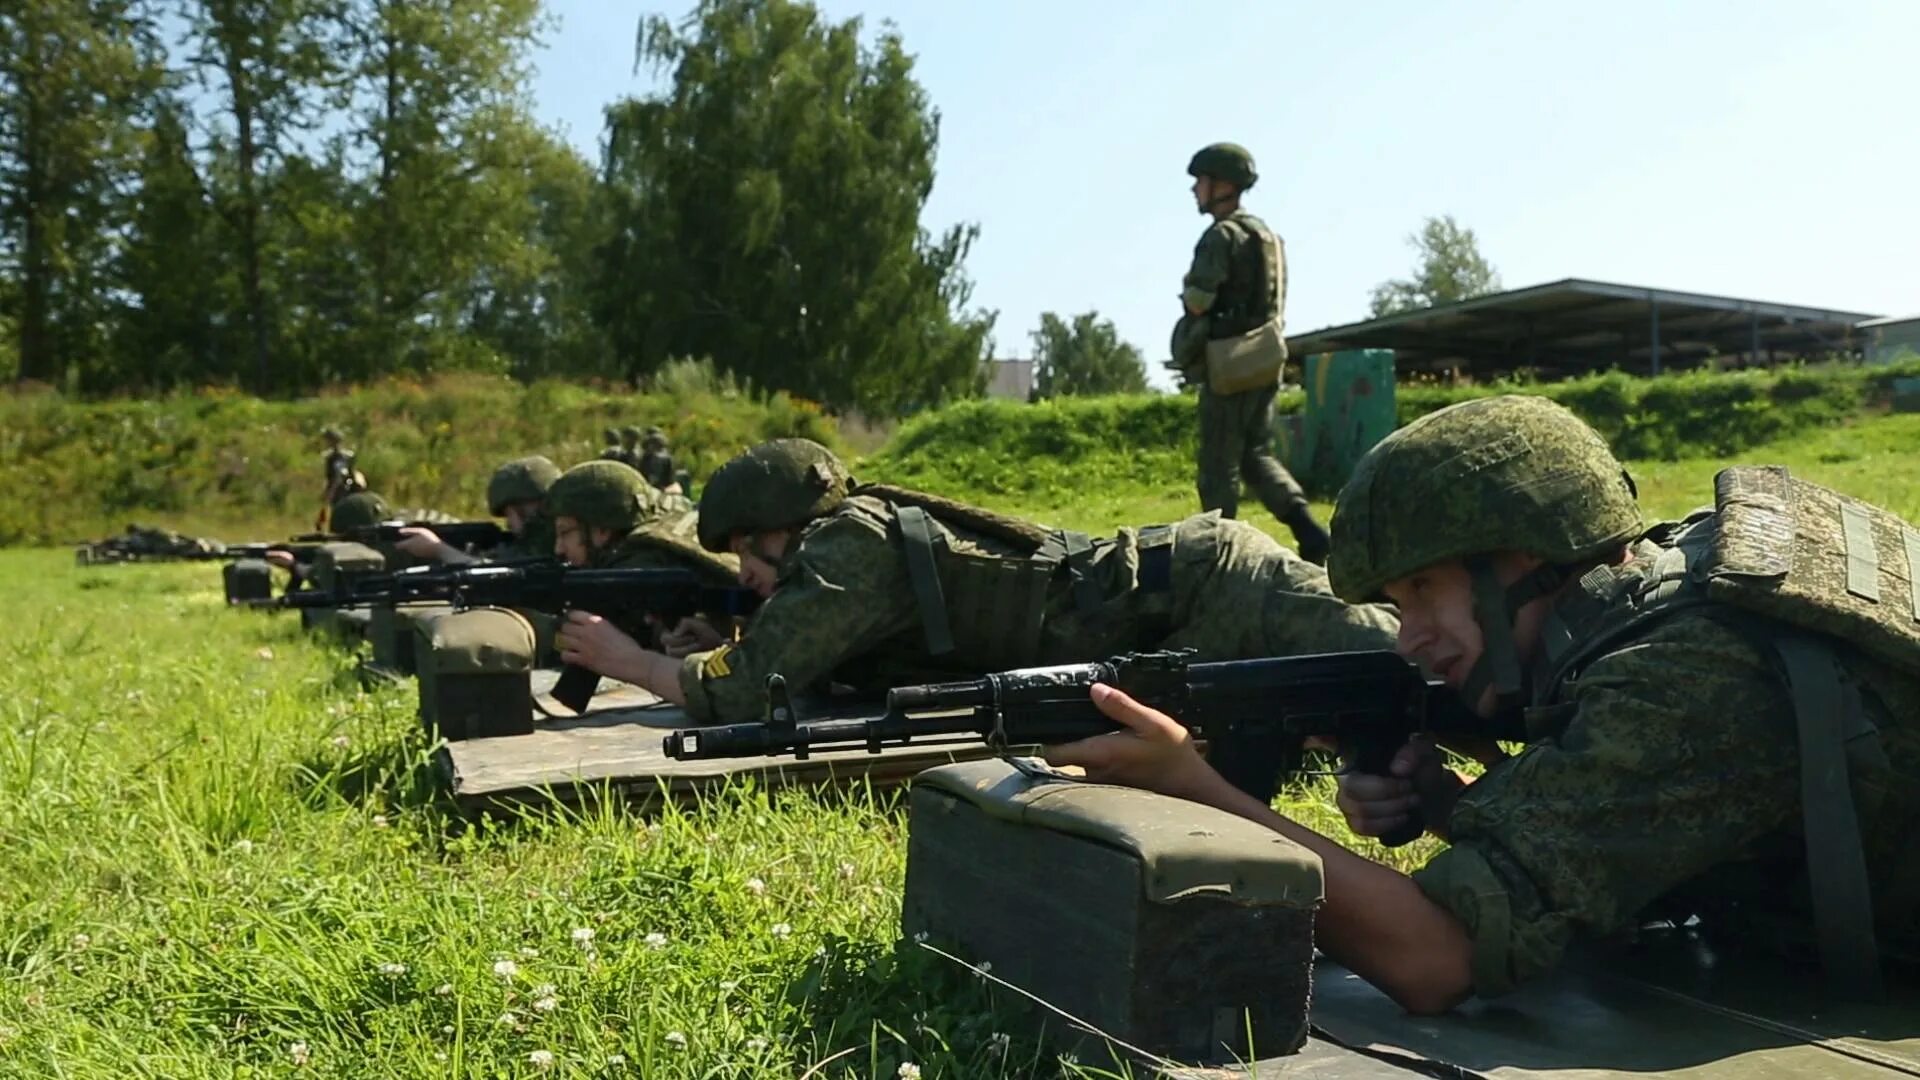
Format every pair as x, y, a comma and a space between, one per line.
997, 737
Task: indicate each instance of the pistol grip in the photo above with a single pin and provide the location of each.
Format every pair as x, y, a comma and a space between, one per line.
575, 687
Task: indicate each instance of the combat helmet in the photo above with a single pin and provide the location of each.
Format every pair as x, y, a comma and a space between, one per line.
520, 480
357, 511
603, 495
331, 433
612, 435
630, 434
1225, 161
654, 439
1508, 473
776, 485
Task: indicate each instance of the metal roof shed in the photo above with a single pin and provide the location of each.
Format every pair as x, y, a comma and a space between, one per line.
1576, 325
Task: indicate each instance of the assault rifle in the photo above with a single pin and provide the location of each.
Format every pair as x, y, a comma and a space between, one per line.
468, 536
543, 585
1367, 703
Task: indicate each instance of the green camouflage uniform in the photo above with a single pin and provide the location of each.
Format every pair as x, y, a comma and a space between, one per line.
1675, 775
847, 608
668, 542
1236, 430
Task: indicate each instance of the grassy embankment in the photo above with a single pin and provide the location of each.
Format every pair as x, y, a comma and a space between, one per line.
239, 468
219, 857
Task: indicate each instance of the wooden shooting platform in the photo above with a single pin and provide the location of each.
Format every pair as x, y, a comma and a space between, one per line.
614, 749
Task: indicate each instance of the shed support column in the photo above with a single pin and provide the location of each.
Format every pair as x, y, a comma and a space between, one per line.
1653, 310
1753, 338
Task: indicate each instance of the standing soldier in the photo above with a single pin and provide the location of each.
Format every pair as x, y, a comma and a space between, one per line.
1229, 342
656, 462
343, 479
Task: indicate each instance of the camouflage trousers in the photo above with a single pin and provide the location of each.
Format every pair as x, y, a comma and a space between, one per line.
1236, 437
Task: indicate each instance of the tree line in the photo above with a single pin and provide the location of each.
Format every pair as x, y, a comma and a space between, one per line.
282, 194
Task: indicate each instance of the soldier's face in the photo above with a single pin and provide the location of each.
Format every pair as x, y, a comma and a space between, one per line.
518, 514
1438, 630
757, 573
570, 541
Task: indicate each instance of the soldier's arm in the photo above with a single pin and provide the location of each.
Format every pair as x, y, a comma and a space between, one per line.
1211, 257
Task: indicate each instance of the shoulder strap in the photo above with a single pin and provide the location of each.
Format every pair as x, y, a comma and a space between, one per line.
923, 574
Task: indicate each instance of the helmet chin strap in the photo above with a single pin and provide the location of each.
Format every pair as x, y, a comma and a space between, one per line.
755, 549
1494, 607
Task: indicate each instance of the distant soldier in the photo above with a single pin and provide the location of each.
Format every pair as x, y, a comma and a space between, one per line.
872, 586
611, 452
656, 461
605, 516
516, 492
1228, 341
343, 478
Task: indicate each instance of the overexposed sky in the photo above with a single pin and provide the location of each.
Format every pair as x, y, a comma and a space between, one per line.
1763, 148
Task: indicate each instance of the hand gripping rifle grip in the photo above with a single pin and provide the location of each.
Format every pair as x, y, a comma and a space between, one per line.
1375, 758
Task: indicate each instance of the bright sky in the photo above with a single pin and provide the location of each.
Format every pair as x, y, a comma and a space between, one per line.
1762, 149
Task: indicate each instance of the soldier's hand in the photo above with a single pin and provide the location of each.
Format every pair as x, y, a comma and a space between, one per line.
592, 642
1153, 752
1376, 805
689, 636
420, 543
281, 558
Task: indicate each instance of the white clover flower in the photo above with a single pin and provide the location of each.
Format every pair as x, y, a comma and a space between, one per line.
908, 1071
728, 985
379, 821
341, 742
756, 1043
781, 930
243, 847
919, 936
756, 886
444, 989
446, 1029
529, 951
393, 970
299, 1053
656, 940
677, 1040
847, 870
616, 1061
999, 1041
583, 936
506, 969
985, 966
509, 1019
546, 1004
81, 942
541, 1059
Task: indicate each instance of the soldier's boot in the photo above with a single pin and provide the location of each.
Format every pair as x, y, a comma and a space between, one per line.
1308, 536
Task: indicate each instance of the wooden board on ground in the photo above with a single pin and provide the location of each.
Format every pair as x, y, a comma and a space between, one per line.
615, 747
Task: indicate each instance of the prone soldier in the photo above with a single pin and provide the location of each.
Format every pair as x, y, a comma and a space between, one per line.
517, 492
1721, 713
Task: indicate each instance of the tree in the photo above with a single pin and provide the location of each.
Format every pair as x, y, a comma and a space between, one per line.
1084, 357
74, 76
1451, 268
765, 211
268, 59
440, 111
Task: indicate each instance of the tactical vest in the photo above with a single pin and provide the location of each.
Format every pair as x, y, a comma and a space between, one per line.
1255, 291
1799, 569
986, 609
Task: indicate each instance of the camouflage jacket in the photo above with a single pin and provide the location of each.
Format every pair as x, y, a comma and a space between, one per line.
1667, 771
1229, 280
846, 608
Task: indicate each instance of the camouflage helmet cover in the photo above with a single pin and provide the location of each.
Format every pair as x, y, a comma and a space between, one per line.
357, 511
331, 432
654, 437
1509, 473
603, 494
612, 435
1225, 161
520, 480
776, 485
630, 433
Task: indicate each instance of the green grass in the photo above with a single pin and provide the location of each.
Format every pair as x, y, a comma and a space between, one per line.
214, 845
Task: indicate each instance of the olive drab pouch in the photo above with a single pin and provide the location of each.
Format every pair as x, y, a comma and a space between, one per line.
248, 580
1253, 360
476, 674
